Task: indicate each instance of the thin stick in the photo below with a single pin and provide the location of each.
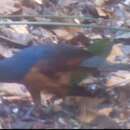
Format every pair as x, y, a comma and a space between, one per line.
47, 16
60, 24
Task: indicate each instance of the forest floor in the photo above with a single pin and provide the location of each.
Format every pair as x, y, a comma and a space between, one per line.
101, 26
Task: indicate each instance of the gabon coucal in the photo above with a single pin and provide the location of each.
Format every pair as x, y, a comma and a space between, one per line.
46, 68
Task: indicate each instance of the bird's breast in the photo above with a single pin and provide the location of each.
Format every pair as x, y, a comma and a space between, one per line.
58, 84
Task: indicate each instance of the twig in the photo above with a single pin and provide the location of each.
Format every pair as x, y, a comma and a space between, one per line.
48, 16
55, 17
61, 24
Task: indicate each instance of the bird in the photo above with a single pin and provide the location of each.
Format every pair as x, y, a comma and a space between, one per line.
44, 67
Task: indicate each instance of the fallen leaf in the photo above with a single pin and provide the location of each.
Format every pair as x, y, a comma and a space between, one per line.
65, 34
39, 1
117, 79
104, 122
19, 34
115, 52
105, 111
8, 6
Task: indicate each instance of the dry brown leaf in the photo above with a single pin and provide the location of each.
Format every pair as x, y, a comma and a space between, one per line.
118, 79
67, 2
63, 34
115, 52
106, 2
8, 6
88, 116
87, 107
105, 111
104, 122
13, 89
19, 34
100, 2
103, 12
39, 1
66, 34
22, 29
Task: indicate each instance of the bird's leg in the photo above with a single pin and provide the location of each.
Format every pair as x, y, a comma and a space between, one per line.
35, 93
47, 99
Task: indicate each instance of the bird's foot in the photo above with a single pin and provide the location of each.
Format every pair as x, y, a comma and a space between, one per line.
33, 112
28, 113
